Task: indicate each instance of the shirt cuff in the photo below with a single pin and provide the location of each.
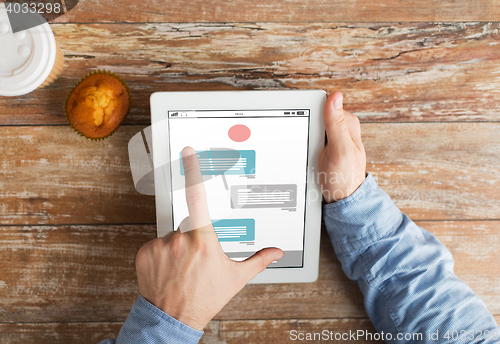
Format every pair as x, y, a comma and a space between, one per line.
361, 219
147, 323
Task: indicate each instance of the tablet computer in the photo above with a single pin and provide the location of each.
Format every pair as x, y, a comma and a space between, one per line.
258, 153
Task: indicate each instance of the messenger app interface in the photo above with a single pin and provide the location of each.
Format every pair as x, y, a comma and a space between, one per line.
254, 166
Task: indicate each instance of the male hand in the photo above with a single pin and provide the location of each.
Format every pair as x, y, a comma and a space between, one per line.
186, 274
342, 162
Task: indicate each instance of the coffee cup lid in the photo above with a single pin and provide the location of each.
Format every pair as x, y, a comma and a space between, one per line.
26, 57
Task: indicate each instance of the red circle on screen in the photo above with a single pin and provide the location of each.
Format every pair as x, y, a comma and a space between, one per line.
239, 133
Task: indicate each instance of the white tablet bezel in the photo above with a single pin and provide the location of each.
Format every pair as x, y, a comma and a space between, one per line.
162, 102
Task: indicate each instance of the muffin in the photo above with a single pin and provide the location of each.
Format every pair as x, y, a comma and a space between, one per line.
98, 105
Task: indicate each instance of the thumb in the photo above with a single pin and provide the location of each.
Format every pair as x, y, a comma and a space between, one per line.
259, 261
335, 122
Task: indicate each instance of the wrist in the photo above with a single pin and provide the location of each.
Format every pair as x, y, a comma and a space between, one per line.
362, 218
335, 193
147, 315
193, 323
180, 313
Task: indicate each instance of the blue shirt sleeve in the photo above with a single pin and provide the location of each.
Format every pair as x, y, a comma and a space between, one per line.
149, 324
404, 272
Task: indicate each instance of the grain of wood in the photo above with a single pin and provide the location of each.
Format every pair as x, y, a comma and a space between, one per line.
69, 273
50, 175
87, 274
53, 175
283, 11
474, 246
216, 332
387, 71
288, 331
220, 332
401, 72
55, 333
280, 331
76, 333
450, 170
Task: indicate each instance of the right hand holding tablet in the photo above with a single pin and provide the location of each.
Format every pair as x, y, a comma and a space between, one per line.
185, 273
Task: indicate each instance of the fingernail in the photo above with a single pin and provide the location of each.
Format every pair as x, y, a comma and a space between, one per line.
278, 256
187, 152
337, 104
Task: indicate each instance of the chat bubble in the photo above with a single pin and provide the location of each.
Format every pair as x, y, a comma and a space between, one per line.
264, 196
225, 162
235, 229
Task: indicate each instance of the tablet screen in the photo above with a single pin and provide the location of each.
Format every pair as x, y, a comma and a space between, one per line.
254, 166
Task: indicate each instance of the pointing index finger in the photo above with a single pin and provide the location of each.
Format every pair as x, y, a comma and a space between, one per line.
195, 190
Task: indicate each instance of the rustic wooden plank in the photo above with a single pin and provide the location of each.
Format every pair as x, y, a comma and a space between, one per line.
77, 273
283, 11
286, 331
280, 331
474, 246
253, 331
51, 333
387, 71
53, 175
450, 170
226, 331
86, 274
50, 175
85, 332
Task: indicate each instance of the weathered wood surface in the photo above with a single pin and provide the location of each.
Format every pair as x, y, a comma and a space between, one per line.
227, 332
283, 11
437, 171
474, 245
50, 333
50, 175
87, 274
65, 274
53, 175
216, 332
387, 71
278, 331
73, 279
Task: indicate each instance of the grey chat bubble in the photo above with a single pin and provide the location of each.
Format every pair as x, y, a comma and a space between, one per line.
264, 196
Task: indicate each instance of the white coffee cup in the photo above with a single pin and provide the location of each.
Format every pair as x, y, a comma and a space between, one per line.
28, 59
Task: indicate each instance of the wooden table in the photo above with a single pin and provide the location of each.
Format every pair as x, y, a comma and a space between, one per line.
423, 76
